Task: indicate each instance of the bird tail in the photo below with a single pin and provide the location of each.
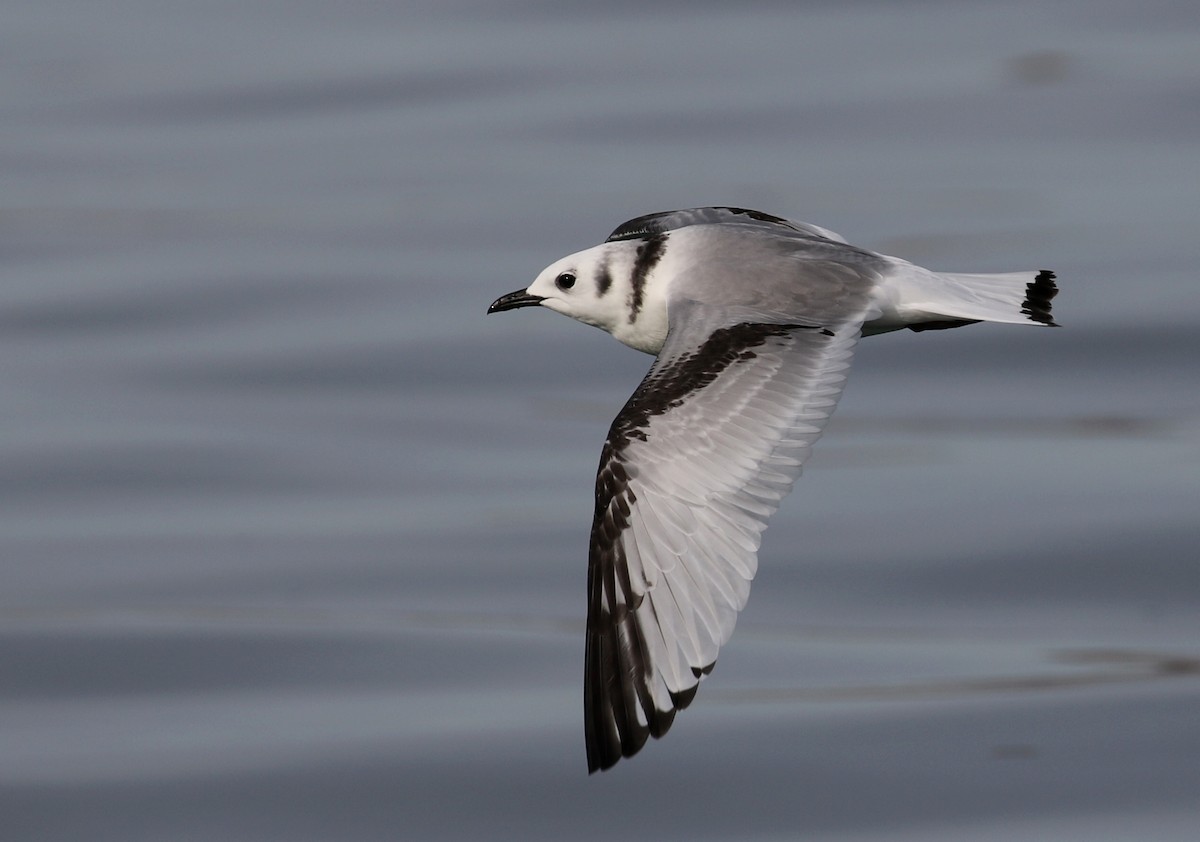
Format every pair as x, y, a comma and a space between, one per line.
932, 301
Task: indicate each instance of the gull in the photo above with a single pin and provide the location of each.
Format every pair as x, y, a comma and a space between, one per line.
753, 320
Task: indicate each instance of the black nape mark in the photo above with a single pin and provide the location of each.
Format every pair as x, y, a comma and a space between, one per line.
648, 255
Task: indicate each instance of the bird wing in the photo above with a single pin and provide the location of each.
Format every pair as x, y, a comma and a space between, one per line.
694, 465
657, 223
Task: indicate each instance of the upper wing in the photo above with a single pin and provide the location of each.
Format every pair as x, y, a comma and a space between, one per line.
657, 223
694, 465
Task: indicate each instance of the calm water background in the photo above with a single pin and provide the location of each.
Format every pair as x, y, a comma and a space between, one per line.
292, 544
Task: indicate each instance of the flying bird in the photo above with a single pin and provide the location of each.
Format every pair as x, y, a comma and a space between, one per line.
753, 320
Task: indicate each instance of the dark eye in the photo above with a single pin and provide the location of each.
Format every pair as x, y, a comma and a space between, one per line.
565, 281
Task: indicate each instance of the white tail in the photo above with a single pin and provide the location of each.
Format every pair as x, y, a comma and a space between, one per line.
918, 299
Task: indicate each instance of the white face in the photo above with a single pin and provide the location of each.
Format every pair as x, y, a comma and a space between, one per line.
584, 286
593, 286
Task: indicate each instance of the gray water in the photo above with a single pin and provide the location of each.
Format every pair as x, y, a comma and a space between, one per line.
293, 537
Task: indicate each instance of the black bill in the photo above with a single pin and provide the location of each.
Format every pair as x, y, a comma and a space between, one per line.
513, 300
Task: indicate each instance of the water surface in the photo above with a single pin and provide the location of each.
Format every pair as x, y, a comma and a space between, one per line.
293, 537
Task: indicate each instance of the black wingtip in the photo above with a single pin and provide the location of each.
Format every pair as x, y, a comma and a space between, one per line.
1039, 293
